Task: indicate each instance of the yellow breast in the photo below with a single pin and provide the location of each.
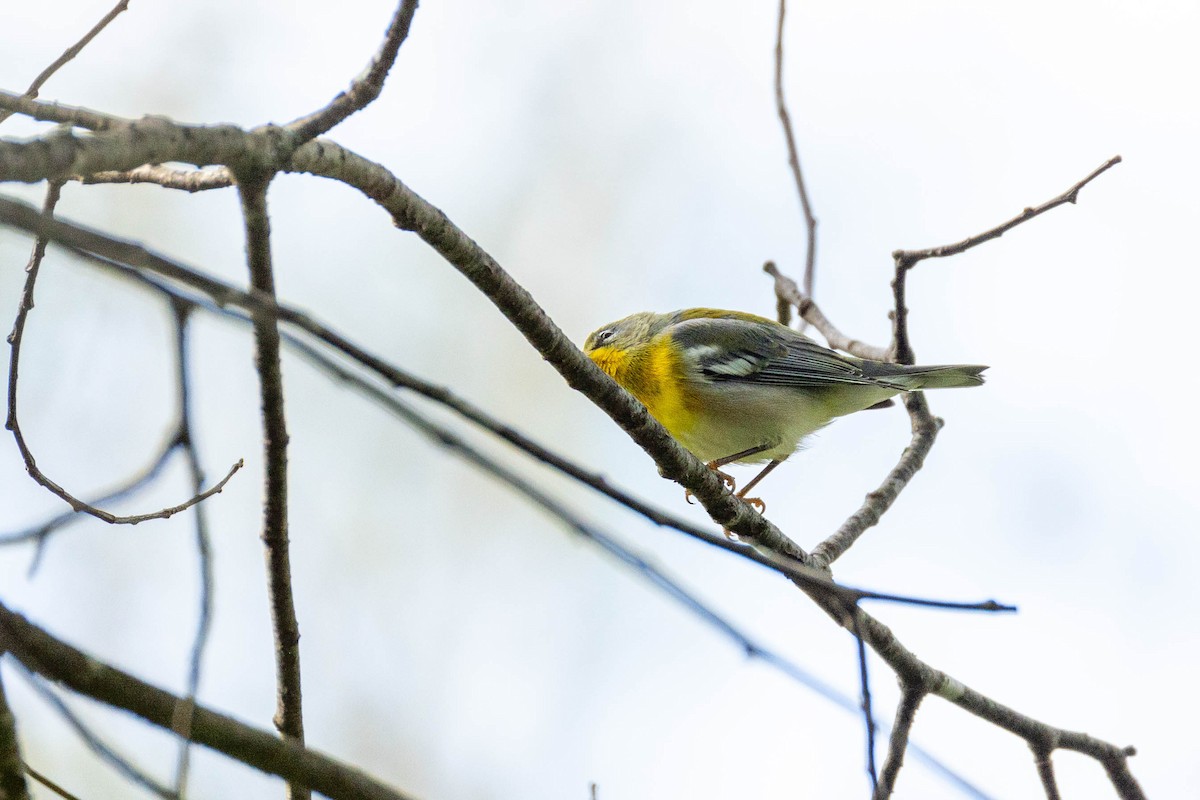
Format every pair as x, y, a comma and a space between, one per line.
655, 375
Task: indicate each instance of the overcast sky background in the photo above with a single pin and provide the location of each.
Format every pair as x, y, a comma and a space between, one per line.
619, 156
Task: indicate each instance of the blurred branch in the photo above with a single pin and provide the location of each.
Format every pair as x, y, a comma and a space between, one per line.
868, 716
68, 54
155, 140
906, 712
363, 89
115, 254
12, 769
1045, 770
289, 718
182, 723
12, 423
785, 119
49, 784
91, 740
53, 659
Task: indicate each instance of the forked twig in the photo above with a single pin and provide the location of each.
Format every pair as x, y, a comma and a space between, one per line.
12, 422
68, 54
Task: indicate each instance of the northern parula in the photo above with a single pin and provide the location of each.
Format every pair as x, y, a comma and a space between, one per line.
738, 388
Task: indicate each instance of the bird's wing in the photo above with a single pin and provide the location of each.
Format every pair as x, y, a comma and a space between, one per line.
754, 352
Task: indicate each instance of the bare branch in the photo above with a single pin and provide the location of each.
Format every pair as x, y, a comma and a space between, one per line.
787, 292
865, 690
924, 432
74, 116
154, 140
1045, 770
15, 340
58, 661
182, 723
49, 784
289, 718
810, 222
363, 89
12, 769
907, 259
906, 712
910, 257
113, 254
68, 54
91, 740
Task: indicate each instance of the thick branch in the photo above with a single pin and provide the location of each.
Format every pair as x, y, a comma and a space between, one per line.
154, 140
107, 252
58, 661
12, 769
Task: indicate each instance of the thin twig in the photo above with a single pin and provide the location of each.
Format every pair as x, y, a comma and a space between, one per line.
12, 770
182, 724
68, 54
103, 250
289, 716
157, 140
865, 691
906, 712
810, 222
788, 293
15, 339
90, 738
41, 533
363, 89
53, 659
49, 784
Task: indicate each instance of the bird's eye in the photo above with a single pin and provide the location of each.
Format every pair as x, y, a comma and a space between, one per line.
604, 335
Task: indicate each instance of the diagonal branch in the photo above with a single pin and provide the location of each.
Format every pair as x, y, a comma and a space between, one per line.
68, 54
363, 89
107, 252
53, 659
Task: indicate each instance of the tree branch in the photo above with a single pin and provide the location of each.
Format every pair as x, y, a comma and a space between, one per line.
68, 54
289, 718
363, 89
12, 769
154, 140
810, 222
105, 752
113, 254
12, 423
58, 661
906, 712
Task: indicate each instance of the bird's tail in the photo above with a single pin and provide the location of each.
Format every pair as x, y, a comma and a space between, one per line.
940, 377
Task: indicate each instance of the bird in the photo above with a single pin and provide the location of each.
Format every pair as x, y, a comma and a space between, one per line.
734, 387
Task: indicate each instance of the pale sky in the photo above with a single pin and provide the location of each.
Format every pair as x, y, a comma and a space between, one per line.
616, 157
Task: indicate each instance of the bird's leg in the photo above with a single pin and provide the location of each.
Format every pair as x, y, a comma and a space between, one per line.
716, 464
757, 501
